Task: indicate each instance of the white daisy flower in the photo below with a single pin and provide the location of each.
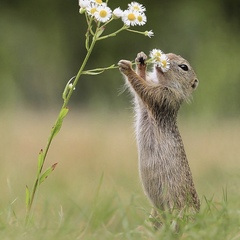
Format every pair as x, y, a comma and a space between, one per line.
149, 33
156, 54
141, 19
160, 59
134, 6
103, 13
92, 8
84, 3
129, 18
118, 12
165, 64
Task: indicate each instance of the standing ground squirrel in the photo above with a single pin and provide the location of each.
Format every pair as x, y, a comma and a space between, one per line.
163, 166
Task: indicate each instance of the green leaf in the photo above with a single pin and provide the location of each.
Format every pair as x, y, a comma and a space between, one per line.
47, 173
100, 31
112, 66
27, 197
97, 71
40, 161
64, 94
93, 73
59, 122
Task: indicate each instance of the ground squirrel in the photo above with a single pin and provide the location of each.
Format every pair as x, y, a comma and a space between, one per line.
163, 166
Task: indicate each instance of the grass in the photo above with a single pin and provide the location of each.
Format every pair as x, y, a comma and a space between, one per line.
95, 192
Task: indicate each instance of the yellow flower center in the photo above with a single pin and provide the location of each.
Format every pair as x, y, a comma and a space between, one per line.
131, 17
164, 63
93, 10
136, 8
103, 13
140, 18
99, 1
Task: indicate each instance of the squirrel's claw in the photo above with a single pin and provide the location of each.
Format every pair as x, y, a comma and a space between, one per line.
141, 58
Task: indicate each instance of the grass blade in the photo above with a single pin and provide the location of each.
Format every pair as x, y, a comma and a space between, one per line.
40, 161
27, 197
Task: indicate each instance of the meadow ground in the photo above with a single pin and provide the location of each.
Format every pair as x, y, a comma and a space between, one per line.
95, 193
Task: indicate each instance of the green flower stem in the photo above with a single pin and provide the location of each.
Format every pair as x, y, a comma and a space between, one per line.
79, 72
99, 70
106, 23
124, 27
134, 31
54, 129
89, 22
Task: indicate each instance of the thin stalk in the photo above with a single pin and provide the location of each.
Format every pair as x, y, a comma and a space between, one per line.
51, 136
124, 27
79, 73
100, 69
134, 31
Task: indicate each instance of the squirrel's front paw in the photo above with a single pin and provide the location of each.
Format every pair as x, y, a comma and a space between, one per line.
125, 66
141, 58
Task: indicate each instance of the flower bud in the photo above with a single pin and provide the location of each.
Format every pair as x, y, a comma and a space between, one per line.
117, 13
82, 10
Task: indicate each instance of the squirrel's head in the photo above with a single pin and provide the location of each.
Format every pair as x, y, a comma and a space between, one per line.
180, 76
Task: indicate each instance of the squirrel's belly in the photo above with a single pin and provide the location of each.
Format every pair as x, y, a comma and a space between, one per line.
154, 181
154, 169
157, 164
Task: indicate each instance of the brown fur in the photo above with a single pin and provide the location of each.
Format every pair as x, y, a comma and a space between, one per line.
163, 165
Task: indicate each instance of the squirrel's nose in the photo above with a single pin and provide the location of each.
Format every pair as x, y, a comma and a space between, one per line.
195, 83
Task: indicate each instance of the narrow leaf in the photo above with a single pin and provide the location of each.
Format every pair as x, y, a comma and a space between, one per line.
65, 91
100, 31
40, 160
27, 197
59, 122
93, 73
112, 66
54, 166
97, 71
47, 173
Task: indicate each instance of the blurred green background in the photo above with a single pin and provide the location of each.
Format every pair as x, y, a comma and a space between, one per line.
42, 47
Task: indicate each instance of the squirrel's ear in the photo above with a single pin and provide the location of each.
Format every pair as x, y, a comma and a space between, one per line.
194, 84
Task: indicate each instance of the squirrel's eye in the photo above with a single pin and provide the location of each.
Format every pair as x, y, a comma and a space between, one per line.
183, 67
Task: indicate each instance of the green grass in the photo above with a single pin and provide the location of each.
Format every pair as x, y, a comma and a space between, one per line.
95, 192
